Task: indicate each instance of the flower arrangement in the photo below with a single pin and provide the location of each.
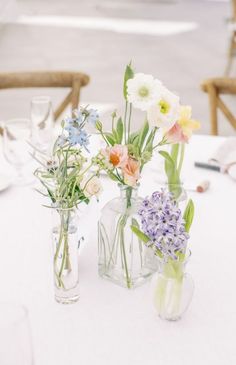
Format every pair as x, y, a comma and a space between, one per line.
178, 136
126, 153
68, 180
66, 175
166, 231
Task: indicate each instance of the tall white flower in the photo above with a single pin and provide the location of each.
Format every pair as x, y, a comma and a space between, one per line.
143, 90
165, 111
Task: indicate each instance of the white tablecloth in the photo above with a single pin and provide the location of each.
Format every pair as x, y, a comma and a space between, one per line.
111, 325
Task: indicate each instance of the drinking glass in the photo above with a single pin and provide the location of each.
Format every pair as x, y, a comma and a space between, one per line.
16, 135
42, 122
15, 335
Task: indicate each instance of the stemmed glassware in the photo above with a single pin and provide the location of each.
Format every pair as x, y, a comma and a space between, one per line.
16, 135
15, 335
42, 122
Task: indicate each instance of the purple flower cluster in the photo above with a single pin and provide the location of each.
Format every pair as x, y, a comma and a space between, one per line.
162, 222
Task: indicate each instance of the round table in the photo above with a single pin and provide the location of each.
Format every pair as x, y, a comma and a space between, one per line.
111, 325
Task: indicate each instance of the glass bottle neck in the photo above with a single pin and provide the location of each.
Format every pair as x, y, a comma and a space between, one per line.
128, 194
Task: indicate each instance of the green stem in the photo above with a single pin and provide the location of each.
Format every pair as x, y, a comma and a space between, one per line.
65, 250
61, 234
87, 168
160, 294
128, 193
128, 281
103, 136
161, 143
107, 240
65, 258
129, 124
115, 240
125, 116
182, 150
60, 238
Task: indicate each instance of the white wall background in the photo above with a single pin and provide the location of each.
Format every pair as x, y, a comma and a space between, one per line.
8, 10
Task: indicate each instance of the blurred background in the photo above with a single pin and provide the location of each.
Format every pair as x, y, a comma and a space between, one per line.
181, 42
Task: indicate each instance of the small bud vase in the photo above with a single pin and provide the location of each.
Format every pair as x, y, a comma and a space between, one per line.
123, 258
178, 191
172, 288
65, 255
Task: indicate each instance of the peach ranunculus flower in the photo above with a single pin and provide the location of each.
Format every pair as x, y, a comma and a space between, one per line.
116, 155
184, 127
131, 172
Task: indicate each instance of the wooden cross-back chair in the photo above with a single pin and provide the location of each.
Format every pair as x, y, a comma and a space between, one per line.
232, 43
215, 87
48, 79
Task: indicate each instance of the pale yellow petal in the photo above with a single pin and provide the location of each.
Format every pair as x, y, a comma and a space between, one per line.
185, 112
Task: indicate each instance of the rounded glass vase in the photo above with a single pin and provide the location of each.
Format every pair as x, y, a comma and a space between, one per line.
172, 288
65, 255
123, 258
178, 191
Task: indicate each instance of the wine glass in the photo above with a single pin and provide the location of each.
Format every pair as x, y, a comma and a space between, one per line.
42, 122
16, 135
15, 335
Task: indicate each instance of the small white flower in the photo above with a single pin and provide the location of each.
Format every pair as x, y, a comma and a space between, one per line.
91, 186
143, 90
165, 111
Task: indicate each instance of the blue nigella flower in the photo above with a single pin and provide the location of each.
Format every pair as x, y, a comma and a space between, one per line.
92, 116
78, 136
73, 122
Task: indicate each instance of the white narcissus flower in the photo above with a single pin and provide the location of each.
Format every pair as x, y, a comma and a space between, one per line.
143, 90
165, 111
91, 186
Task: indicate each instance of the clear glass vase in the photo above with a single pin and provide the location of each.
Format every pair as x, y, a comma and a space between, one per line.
172, 288
123, 258
65, 255
178, 191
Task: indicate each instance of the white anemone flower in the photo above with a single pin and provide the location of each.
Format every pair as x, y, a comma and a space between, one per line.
165, 111
143, 90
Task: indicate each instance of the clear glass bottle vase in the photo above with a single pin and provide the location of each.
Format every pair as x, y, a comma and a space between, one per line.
65, 255
123, 258
172, 288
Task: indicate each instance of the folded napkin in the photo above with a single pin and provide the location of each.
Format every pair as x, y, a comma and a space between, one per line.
226, 153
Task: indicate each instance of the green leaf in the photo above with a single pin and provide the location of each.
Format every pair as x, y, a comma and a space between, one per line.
135, 223
175, 152
112, 176
110, 138
132, 137
188, 215
129, 74
142, 236
119, 130
149, 144
115, 136
98, 126
172, 174
143, 135
168, 158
